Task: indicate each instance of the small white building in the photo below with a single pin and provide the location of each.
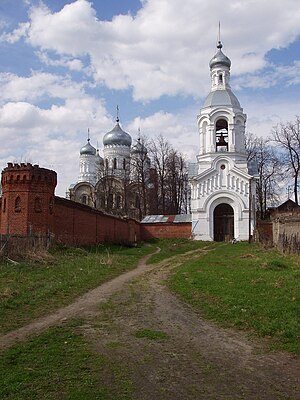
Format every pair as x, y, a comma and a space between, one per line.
223, 187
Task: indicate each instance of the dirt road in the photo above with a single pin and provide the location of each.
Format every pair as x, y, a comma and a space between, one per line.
195, 360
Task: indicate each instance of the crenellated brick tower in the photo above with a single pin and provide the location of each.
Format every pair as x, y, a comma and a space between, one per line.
27, 200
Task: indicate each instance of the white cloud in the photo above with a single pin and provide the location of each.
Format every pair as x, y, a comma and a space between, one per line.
16, 34
274, 75
74, 64
38, 86
179, 129
264, 115
165, 48
51, 136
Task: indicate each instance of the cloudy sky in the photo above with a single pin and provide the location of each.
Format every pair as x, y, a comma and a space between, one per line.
65, 65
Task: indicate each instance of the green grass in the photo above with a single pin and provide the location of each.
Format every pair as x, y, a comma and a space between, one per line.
58, 365
173, 247
242, 286
151, 334
45, 282
246, 287
35, 287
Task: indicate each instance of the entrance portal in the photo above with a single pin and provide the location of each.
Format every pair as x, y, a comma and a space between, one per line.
223, 223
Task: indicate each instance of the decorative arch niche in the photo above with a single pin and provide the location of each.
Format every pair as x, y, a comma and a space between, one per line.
18, 204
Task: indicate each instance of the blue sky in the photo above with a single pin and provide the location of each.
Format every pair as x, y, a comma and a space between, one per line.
65, 65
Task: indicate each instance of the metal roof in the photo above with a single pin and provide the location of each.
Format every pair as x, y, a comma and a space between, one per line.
221, 97
180, 218
160, 219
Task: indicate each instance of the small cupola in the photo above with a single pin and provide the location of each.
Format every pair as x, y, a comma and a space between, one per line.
88, 149
219, 59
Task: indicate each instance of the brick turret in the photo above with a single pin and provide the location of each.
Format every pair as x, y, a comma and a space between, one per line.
27, 200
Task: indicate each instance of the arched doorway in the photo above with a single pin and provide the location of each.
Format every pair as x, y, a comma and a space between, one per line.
223, 223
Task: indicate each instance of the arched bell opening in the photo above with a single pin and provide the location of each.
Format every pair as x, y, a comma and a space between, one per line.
223, 223
221, 135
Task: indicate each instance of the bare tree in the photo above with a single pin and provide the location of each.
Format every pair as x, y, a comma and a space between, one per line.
172, 179
177, 182
140, 175
160, 150
269, 166
287, 136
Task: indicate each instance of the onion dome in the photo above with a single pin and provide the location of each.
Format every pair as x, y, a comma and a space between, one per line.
219, 58
117, 137
88, 149
139, 148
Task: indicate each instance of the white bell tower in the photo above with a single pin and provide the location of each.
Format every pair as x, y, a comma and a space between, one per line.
223, 192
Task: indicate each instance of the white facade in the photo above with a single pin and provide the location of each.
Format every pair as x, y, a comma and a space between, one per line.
221, 192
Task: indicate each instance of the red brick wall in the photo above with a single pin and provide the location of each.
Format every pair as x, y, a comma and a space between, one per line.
149, 231
69, 222
77, 224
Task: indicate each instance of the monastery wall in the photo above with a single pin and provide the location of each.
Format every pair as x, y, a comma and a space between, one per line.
77, 224
30, 210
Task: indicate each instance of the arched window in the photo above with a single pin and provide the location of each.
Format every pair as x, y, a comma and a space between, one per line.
220, 79
18, 204
106, 163
37, 205
137, 201
118, 201
4, 205
115, 163
221, 135
84, 199
124, 163
110, 201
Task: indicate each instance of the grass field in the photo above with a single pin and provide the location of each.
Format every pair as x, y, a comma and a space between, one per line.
173, 247
246, 287
241, 286
45, 282
61, 365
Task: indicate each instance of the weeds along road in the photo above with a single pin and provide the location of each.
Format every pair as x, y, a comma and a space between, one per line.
167, 350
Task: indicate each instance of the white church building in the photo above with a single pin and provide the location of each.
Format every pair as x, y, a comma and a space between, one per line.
223, 185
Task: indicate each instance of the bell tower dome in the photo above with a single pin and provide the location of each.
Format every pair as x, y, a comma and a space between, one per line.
221, 121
